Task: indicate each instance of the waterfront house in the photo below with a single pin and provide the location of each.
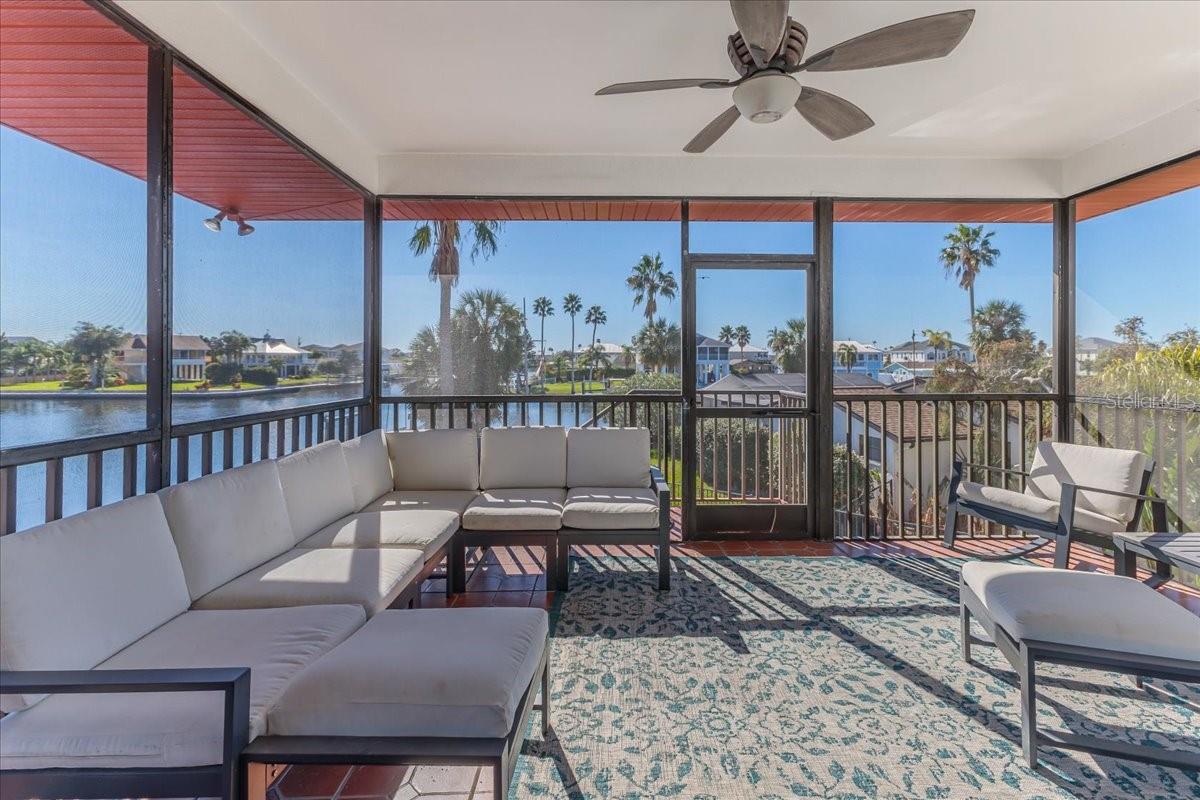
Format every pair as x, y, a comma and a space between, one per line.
921, 352
868, 359
189, 356
287, 360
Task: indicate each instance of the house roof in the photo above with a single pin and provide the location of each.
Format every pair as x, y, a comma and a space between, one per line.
1094, 344
273, 348
179, 341
708, 341
861, 347
921, 344
788, 382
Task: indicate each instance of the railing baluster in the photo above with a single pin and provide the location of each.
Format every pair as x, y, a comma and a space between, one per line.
206, 453
129, 471
264, 441
183, 447
247, 444
295, 433
227, 449
865, 509
54, 489
8, 500
95, 479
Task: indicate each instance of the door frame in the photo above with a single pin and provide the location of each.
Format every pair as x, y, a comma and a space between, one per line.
764, 518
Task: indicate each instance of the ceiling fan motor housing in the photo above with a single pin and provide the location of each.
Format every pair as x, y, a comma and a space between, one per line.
788, 57
766, 97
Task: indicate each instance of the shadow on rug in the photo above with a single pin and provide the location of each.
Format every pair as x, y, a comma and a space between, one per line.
783, 677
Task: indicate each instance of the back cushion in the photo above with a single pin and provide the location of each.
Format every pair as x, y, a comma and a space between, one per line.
228, 523
446, 459
316, 487
76, 591
1055, 462
522, 458
369, 466
608, 457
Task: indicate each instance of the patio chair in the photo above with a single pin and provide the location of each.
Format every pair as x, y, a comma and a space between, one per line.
1072, 493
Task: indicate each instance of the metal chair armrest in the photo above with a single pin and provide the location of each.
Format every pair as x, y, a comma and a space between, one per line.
990, 468
1158, 505
108, 681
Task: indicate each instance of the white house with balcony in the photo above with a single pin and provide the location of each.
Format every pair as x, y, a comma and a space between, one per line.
712, 360
868, 358
287, 360
922, 353
189, 355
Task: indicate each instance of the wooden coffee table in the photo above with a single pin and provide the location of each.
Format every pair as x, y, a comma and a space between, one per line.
1164, 549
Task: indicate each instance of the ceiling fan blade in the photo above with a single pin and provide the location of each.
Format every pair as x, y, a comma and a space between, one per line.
902, 43
713, 131
762, 23
831, 115
673, 83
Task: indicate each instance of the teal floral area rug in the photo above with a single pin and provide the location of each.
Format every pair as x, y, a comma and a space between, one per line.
787, 677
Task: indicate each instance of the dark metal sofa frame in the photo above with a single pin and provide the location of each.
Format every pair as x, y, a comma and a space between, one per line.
1025, 654
1062, 532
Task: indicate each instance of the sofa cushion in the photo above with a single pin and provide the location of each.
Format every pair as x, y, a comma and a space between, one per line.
438, 500
1102, 467
515, 510
608, 457
1087, 609
426, 530
75, 591
523, 458
176, 729
1036, 507
438, 459
369, 467
372, 578
599, 508
227, 523
434, 672
316, 487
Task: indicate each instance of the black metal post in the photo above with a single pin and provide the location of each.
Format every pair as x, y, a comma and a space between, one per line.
1064, 318
158, 268
372, 308
690, 452
819, 446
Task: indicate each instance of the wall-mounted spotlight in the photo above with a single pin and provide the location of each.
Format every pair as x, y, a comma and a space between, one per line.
244, 228
214, 223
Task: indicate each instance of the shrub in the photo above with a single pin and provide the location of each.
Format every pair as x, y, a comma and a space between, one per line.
78, 377
264, 376
220, 373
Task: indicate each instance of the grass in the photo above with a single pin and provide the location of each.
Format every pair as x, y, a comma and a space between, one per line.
580, 386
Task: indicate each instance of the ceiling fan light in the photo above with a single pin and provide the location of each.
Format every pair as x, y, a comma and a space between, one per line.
767, 97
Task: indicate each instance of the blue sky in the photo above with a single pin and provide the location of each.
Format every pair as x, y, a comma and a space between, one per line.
72, 242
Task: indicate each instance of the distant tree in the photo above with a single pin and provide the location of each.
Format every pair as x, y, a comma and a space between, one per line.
443, 237
595, 317
658, 345
543, 307
789, 345
726, 335
595, 358
349, 363
998, 321
93, 345
1131, 330
230, 346
487, 341
847, 354
967, 251
938, 340
741, 335
1008, 358
649, 281
1187, 337
572, 305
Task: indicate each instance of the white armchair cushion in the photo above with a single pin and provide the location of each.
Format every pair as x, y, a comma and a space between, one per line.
369, 466
316, 487
601, 508
1036, 507
176, 729
612, 457
75, 591
455, 500
371, 578
1055, 463
424, 529
227, 523
523, 458
433, 672
438, 459
515, 510
1087, 609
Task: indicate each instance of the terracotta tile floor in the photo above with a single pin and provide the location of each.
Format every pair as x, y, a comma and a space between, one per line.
516, 577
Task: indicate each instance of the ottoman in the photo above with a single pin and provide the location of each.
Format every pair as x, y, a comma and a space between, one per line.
424, 686
1081, 619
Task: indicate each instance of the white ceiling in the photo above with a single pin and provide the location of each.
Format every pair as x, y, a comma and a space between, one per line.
1033, 82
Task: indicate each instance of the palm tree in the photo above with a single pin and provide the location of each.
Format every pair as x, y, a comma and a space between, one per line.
595, 317
572, 305
741, 335
726, 334
658, 345
847, 355
648, 281
596, 357
938, 340
443, 237
543, 307
968, 250
789, 345
487, 341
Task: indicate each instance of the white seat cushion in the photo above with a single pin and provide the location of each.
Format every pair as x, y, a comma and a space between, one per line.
611, 509
522, 458
438, 672
372, 578
1106, 468
608, 457
1087, 609
369, 467
316, 487
439, 459
227, 523
426, 530
75, 591
176, 729
516, 510
434, 500
1036, 507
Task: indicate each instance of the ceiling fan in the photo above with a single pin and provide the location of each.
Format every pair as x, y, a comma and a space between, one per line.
768, 48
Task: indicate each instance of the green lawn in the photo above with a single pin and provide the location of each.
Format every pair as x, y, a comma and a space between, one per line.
580, 387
